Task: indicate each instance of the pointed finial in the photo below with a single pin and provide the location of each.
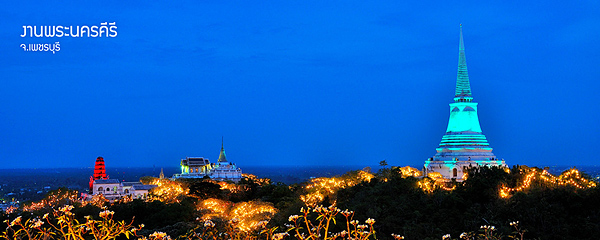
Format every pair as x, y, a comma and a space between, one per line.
461, 46
222, 157
463, 87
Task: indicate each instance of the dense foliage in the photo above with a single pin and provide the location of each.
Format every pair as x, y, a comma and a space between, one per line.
548, 207
547, 212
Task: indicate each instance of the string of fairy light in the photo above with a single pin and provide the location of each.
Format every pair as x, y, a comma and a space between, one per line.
571, 178
409, 171
318, 188
248, 215
55, 199
257, 180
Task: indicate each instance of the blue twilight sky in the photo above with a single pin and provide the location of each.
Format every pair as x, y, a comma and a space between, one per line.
297, 82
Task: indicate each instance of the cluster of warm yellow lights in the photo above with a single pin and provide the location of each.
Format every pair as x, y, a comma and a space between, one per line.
59, 197
246, 216
257, 180
167, 190
409, 171
237, 188
318, 188
434, 181
232, 187
571, 178
215, 206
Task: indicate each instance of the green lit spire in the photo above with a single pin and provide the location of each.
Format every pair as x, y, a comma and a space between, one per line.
463, 87
222, 157
464, 145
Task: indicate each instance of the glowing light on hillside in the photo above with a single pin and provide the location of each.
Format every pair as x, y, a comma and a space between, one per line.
58, 198
319, 188
245, 216
231, 187
252, 214
434, 180
571, 177
409, 171
167, 190
215, 207
259, 181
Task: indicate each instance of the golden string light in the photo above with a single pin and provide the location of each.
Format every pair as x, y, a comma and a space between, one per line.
318, 188
571, 177
409, 171
434, 180
254, 178
60, 197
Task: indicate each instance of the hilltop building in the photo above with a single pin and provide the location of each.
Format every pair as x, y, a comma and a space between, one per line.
199, 167
113, 189
463, 145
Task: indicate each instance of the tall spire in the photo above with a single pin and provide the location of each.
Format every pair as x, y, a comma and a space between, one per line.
222, 157
464, 145
463, 87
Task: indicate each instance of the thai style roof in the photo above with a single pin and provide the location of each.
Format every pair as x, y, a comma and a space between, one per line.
144, 187
106, 181
131, 183
195, 161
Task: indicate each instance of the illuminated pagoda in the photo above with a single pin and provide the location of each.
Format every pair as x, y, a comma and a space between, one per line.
199, 167
113, 189
463, 145
99, 172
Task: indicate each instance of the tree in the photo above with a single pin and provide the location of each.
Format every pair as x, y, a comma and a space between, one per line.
383, 163
205, 190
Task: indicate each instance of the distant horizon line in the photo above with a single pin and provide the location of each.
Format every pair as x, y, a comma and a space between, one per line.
113, 167
276, 166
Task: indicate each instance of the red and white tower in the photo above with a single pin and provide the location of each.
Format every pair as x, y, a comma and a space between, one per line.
99, 171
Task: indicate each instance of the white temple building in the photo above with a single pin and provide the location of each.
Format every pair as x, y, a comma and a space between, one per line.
199, 167
112, 189
464, 144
